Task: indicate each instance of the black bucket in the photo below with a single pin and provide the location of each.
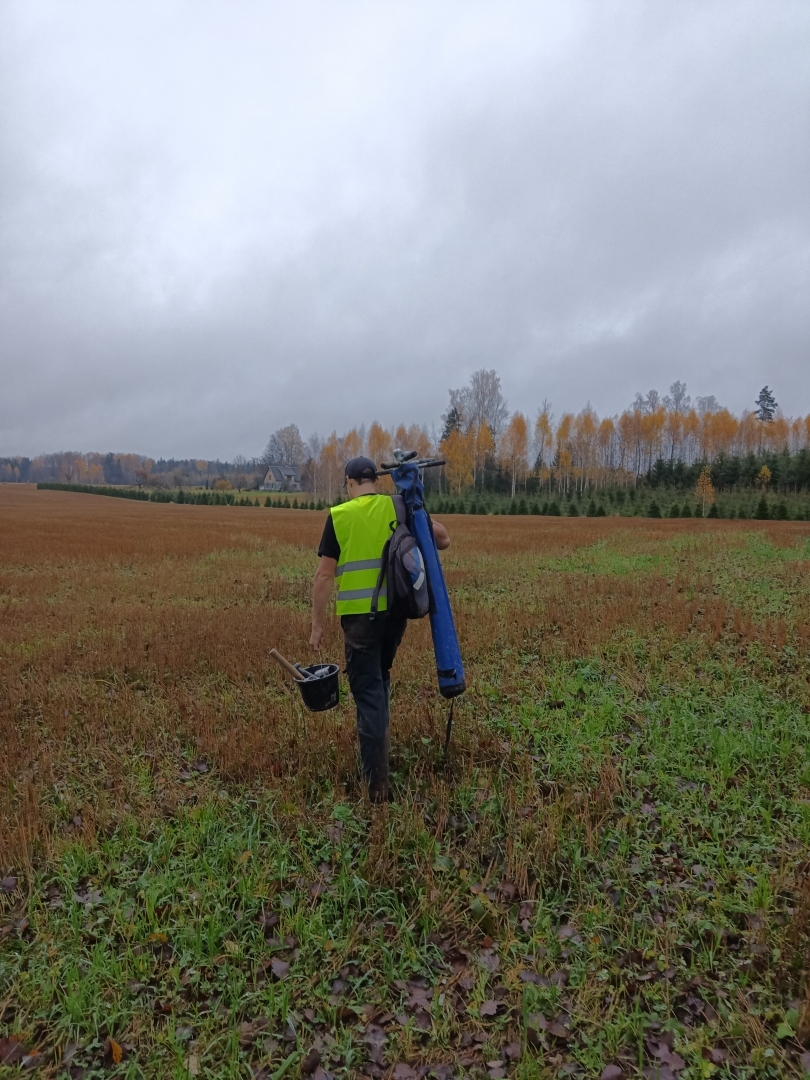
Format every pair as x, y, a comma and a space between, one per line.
320, 688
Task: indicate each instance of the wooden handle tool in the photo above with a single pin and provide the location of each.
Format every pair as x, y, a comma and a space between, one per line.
279, 659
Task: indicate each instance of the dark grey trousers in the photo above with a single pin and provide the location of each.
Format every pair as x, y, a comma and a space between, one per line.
371, 645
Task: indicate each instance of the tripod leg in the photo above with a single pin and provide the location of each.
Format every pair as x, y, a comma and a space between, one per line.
449, 726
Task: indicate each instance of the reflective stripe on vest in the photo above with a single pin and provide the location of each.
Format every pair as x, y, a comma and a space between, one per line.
362, 527
358, 564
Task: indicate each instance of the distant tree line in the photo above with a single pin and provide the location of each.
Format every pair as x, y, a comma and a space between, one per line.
136, 470
659, 442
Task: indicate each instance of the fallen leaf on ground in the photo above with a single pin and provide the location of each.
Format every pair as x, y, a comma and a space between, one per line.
280, 968
11, 1051
489, 960
489, 1008
113, 1052
567, 932
268, 920
715, 1055
311, 1062
558, 1030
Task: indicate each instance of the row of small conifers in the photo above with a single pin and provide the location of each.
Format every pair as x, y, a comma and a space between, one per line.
762, 510
199, 498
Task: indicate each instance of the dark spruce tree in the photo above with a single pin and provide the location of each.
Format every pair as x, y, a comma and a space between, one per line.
452, 421
766, 405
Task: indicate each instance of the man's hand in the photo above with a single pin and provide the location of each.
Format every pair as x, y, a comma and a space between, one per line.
316, 637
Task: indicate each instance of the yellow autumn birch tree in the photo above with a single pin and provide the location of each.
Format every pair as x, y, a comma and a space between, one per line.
705, 489
457, 450
515, 448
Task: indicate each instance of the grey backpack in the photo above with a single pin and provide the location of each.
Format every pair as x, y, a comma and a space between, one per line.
403, 568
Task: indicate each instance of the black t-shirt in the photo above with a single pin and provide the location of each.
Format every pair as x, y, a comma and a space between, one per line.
329, 545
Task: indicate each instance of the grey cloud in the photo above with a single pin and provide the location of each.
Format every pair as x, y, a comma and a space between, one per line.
594, 199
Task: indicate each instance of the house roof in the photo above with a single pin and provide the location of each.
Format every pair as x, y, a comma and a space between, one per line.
284, 472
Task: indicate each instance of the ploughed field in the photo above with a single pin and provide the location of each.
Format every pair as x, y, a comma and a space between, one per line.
608, 876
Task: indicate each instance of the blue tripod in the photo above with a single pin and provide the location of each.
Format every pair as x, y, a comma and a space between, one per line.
406, 474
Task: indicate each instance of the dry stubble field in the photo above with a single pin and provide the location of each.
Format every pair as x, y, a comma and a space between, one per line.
607, 878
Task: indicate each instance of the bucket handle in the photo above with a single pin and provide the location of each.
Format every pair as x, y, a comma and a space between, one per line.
279, 659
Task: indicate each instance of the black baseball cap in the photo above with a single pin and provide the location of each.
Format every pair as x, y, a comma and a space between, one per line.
360, 469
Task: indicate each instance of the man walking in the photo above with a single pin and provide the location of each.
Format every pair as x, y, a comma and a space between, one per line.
351, 550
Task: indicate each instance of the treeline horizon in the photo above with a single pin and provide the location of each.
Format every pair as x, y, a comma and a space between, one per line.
660, 441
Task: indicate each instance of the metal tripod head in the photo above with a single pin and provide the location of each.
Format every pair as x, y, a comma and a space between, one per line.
401, 457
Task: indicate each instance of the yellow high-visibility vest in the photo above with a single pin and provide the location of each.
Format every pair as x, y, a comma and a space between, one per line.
362, 527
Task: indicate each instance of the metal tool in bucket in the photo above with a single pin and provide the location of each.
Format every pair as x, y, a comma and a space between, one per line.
318, 683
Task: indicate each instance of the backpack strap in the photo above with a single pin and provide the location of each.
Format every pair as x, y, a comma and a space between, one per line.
402, 512
402, 515
375, 596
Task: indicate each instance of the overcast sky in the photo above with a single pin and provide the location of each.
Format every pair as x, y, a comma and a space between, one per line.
219, 218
